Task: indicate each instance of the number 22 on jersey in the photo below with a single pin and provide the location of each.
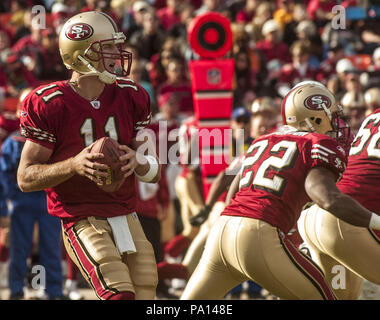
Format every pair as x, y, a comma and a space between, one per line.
280, 157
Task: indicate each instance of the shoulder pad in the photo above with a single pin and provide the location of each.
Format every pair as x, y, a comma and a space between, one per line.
48, 92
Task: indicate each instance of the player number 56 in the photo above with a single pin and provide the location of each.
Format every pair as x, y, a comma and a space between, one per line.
364, 135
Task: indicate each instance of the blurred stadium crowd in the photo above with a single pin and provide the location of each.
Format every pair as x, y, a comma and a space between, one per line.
276, 44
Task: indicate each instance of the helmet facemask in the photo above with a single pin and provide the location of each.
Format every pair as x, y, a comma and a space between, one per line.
341, 130
97, 52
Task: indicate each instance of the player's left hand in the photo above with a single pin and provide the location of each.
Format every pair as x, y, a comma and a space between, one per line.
130, 160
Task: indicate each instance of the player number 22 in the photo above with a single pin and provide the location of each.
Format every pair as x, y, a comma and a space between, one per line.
88, 132
277, 163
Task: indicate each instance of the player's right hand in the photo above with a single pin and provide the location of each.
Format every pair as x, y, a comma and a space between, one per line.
200, 217
84, 164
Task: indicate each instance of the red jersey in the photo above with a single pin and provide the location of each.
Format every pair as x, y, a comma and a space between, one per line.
168, 17
292, 75
56, 117
314, 5
362, 176
272, 51
274, 172
183, 90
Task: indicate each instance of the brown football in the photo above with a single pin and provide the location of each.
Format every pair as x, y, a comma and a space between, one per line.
110, 148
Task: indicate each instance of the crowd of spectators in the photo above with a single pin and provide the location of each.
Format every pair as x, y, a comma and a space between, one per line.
275, 44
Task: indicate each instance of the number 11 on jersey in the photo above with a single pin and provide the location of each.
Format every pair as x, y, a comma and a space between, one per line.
88, 130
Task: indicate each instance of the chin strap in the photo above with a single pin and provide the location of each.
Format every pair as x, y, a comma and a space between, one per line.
104, 76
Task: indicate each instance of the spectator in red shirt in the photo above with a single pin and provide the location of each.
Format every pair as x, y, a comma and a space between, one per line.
169, 15
48, 65
272, 47
321, 10
178, 82
159, 62
15, 76
247, 13
9, 121
29, 44
297, 71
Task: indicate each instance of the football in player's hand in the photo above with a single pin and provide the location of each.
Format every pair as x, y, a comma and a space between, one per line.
110, 148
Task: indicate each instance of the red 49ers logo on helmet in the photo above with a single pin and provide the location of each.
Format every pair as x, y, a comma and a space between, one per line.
316, 102
79, 31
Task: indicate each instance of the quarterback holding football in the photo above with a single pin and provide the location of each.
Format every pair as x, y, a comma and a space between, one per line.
61, 122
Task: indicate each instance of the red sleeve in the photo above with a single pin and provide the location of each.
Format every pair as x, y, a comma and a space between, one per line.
322, 151
35, 122
141, 101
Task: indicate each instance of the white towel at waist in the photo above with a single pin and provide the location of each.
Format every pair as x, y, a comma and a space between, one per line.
122, 234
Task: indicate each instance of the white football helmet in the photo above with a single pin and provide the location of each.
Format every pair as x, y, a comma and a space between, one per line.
312, 107
84, 41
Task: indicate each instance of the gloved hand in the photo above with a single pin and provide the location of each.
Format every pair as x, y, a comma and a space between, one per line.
200, 217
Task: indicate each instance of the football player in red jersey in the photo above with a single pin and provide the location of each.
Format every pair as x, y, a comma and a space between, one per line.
333, 241
282, 171
60, 121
